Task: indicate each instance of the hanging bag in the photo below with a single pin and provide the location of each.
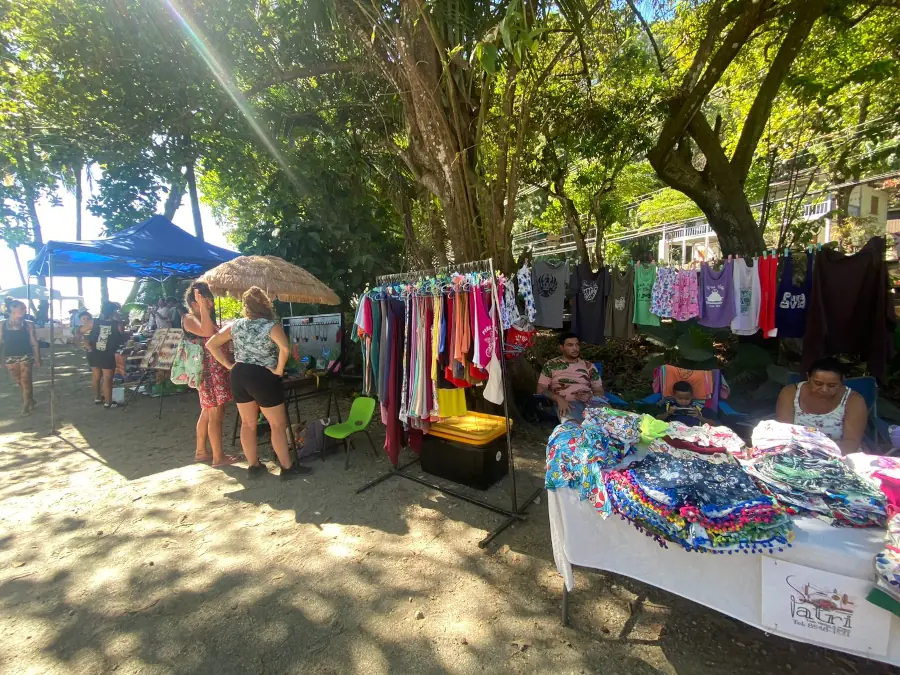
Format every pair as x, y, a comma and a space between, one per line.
187, 368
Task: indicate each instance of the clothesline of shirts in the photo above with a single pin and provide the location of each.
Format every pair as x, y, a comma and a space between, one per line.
842, 304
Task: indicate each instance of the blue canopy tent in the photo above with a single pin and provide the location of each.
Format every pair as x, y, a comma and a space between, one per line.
155, 249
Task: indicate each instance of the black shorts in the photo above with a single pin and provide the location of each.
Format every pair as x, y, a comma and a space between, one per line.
250, 382
102, 360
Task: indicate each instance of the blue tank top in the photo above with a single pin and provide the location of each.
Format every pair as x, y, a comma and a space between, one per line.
791, 301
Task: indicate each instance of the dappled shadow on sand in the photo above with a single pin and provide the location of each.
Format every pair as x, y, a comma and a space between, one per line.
119, 553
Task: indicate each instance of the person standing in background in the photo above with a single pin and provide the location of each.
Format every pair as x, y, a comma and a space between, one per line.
214, 389
103, 341
20, 350
164, 313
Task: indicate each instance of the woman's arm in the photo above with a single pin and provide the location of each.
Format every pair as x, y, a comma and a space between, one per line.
784, 408
35, 345
215, 344
284, 347
856, 417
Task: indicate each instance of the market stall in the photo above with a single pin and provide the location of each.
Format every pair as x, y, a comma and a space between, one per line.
155, 249
781, 535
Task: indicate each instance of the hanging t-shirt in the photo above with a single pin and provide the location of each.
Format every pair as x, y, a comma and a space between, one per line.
686, 301
644, 278
620, 304
716, 296
589, 305
525, 290
746, 298
768, 268
549, 285
791, 300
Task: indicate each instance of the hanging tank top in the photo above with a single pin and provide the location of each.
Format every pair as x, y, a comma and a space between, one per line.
717, 296
831, 423
791, 300
252, 342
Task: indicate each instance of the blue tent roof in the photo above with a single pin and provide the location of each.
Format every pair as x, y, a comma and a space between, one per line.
156, 248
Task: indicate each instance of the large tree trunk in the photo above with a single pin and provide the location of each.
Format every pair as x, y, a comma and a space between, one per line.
195, 200
104, 290
15, 252
79, 197
173, 201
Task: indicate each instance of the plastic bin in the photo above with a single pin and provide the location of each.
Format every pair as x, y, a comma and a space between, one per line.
470, 449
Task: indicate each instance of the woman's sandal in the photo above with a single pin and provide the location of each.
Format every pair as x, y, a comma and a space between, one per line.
111, 405
98, 401
228, 460
203, 458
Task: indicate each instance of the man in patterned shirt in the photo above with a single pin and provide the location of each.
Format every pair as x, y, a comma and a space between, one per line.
569, 381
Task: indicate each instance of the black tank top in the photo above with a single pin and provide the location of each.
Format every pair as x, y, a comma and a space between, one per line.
16, 341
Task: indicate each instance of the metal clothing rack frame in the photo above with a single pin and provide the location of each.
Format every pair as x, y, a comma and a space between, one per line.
516, 511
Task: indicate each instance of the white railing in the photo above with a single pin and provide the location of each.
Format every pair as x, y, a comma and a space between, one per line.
691, 232
816, 210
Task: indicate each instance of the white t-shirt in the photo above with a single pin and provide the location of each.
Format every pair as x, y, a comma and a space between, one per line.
164, 317
746, 297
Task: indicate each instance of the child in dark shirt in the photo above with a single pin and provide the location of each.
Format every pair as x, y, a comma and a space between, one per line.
682, 407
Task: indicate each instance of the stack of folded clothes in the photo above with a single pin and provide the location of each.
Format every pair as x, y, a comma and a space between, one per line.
698, 504
704, 439
802, 469
576, 454
886, 593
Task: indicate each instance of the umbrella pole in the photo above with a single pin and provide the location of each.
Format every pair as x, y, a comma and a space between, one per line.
52, 357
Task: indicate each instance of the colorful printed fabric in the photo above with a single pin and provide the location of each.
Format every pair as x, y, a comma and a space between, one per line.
684, 453
887, 562
663, 294
570, 380
509, 310
707, 437
577, 454
686, 300
802, 469
697, 504
525, 290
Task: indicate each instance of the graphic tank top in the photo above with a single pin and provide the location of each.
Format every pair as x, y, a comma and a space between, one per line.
791, 300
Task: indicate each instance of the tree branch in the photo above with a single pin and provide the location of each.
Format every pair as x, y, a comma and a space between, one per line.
646, 27
765, 96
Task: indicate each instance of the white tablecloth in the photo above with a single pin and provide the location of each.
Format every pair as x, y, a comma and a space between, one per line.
727, 583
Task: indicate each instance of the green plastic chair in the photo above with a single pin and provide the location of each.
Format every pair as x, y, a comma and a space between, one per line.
360, 416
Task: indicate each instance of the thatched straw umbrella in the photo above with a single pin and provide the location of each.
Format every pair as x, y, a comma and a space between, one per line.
278, 278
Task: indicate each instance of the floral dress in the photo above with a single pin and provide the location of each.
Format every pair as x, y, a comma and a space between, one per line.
686, 301
663, 295
526, 291
215, 387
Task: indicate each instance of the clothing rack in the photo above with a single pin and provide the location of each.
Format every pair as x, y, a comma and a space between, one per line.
516, 511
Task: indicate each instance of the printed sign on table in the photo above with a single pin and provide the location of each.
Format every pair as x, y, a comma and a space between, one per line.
821, 607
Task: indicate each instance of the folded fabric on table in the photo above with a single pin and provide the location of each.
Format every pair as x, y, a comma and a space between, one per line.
576, 454
770, 436
883, 472
804, 475
700, 505
886, 593
704, 438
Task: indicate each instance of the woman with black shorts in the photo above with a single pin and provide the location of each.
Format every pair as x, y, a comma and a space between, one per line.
102, 342
261, 352
20, 350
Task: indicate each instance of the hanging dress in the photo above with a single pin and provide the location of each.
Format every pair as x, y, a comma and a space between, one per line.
663, 294
686, 301
792, 300
716, 296
768, 270
746, 298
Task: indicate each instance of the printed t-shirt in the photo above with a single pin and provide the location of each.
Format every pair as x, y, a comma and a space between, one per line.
644, 278
746, 298
589, 314
620, 304
792, 300
549, 285
570, 379
716, 296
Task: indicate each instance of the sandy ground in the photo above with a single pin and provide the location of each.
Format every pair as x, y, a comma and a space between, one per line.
118, 553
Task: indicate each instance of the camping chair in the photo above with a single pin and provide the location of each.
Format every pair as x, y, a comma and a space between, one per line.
360, 415
714, 402
546, 405
867, 387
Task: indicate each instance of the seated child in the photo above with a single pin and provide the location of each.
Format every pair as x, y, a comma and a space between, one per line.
682, 407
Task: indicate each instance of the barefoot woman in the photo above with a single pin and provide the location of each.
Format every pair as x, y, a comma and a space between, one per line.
200, 325
20, 350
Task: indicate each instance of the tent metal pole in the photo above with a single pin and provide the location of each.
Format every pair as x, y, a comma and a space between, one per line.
52, 356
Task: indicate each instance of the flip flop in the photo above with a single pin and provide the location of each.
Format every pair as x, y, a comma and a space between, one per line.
227, 461
203, 458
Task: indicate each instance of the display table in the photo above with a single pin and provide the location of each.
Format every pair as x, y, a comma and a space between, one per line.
731, 584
